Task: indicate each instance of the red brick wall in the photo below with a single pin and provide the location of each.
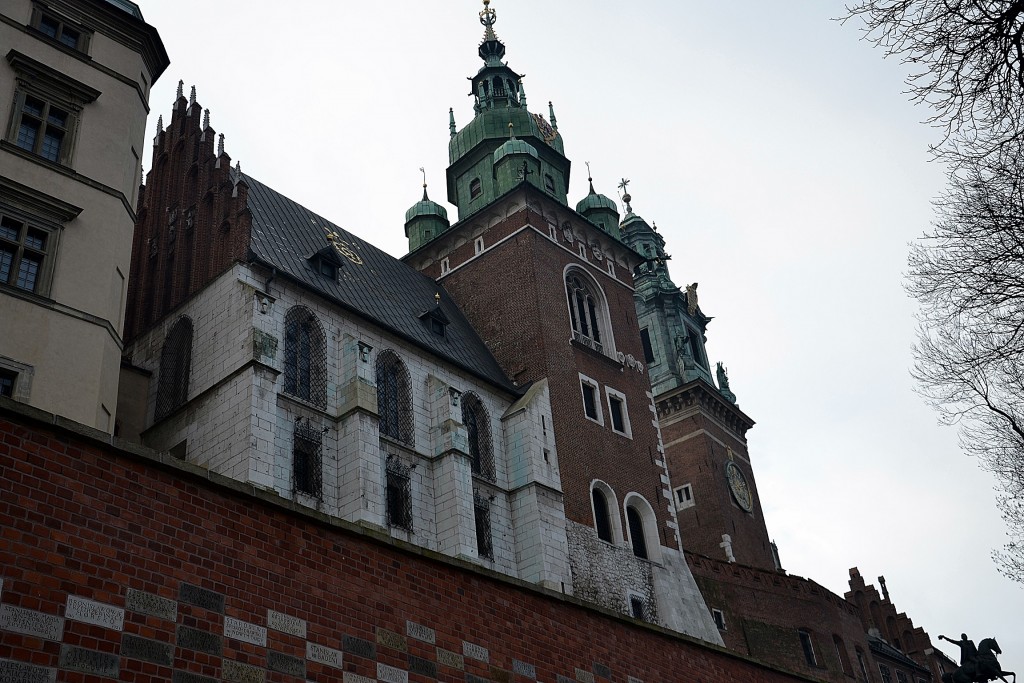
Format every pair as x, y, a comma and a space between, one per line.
514, 295
79, 518
764, 610
172, 260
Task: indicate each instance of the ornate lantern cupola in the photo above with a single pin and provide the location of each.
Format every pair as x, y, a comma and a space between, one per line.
600, 210
499, 99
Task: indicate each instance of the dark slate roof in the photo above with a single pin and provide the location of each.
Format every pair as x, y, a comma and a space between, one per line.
880, 647
382, 289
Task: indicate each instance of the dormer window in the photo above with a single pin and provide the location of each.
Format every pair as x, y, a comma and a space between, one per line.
435, 320
326, 263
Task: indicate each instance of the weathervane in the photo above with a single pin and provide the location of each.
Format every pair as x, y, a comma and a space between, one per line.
624, 186
487, 18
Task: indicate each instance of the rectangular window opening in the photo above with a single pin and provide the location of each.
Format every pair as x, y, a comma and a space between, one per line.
618, 412
8, 378
719, 617
590, 408
307, 460
805, 643
645, 340
482, 514
399, 494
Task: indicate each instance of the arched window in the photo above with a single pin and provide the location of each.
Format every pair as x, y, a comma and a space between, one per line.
394, 398
844, 657
587, 311
175, 366
601, 516
636, 532
305, 356
478, 435
643, 527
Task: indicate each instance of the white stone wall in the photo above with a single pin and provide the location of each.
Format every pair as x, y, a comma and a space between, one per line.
239, 422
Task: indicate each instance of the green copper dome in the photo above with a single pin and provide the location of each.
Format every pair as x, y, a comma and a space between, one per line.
514, 147
596, 201
426, 207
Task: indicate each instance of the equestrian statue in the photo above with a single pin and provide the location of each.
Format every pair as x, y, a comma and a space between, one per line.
977, 664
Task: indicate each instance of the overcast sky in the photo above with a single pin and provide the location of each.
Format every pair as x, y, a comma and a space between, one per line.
780, 160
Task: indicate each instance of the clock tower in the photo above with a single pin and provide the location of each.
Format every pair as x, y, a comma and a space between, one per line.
550, 290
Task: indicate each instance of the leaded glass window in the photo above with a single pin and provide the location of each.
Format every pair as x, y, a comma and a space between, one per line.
482, 515
307, 459
23, 251
398, 493
175, 368
394, 398
585, 311
305, 357
478, 436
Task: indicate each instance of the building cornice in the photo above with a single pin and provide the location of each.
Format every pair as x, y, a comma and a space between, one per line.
702, 396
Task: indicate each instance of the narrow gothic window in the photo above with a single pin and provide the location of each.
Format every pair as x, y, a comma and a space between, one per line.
617, 410
636, 532
805, 643
482, 515
307, 460
398, 492
478, 436
590, 401
695, 348
601, 519
394, 398
475, 189
305, 357
584, 308
175, 364
645, 340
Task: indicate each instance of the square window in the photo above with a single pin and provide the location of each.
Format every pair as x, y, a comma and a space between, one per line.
618, 412
591, 407
638, 607
684, 497
23, 254
7, 380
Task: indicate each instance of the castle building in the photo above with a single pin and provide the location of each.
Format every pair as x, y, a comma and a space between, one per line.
75, 78
318, 461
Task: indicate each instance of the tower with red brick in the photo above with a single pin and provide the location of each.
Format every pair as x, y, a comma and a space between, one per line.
550, 290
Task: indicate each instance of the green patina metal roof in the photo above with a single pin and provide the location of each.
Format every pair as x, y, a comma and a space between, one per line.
127, 6
596, 201
426, 207
513, 147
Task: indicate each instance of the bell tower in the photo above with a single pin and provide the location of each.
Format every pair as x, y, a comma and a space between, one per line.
550, 290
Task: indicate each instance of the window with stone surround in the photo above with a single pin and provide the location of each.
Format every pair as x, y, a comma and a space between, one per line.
588, 311
636, 532
844, 657
601, 517
861, 663
26, 254
900, 677
591, 403
394, 398
618, 413
719, 617
642, 525
478, 436
175, 368
883, 670
482, 517
307, 459
305, 357
59, 29
638, 607
7, 380
47, 107
398, 493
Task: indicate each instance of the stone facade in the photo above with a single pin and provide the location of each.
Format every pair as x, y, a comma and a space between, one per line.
74, 85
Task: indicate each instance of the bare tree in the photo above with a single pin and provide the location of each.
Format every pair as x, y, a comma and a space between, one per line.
967, 63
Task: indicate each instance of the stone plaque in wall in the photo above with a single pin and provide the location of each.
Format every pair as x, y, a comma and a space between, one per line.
244, 631
95, 613
474, 651
200, 597
451, 659
186, 677
391, 674
473, 678
524, 669
153, 605
423, 667
634, 679
286, 623
395, 641
324, 655
31, 623
359, 647
602, 670
236, 672
500, 675
584, 676
19, 672
420, 632
147, 650
201, 641
90, 661
356, 678
564, 679
286, 664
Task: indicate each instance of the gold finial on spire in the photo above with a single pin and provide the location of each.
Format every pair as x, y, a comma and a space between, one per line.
425, 198
437, 298
487, 18
511, 131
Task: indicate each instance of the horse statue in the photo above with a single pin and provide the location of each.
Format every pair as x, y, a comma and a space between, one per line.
982, 668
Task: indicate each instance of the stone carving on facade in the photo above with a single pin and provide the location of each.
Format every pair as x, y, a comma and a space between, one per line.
598, 253
723, 383
691, 299
567, 232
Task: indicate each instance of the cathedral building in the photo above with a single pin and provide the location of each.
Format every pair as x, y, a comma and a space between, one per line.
320, 462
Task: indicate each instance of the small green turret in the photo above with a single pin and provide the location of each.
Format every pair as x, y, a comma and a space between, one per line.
600, 210
424, 221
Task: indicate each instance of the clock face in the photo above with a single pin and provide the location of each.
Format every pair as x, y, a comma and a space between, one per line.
546, 131
738, 485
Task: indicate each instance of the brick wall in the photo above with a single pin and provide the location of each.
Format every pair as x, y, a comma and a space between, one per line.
116, 564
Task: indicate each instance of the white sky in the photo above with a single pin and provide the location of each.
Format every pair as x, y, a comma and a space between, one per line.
780, 160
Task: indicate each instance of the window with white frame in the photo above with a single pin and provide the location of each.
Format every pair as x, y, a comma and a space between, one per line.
683, 496
478, 245
611, 268
588, 313
719, 617
808, 647
591, 393
618, 414
446, 266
